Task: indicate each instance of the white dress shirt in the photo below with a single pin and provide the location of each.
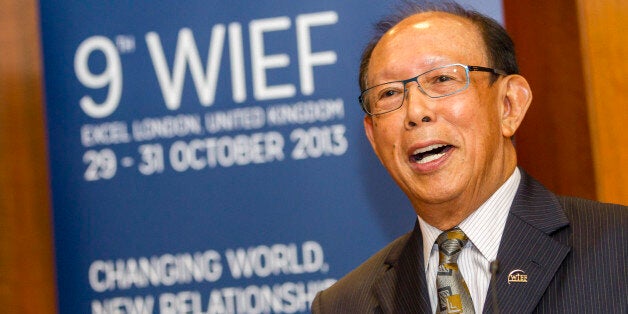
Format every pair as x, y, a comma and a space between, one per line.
484, 227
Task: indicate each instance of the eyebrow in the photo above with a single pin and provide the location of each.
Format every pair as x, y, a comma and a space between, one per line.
428, 64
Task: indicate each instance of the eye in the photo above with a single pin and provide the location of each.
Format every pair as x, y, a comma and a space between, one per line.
389, 93
443, 79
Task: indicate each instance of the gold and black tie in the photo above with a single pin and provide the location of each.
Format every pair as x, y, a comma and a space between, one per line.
453, 294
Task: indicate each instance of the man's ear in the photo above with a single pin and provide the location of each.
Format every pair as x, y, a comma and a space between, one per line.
515, 99
368, 129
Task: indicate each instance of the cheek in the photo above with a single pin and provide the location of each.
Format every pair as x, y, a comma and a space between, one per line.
385, 129
386, 139
464, 116
476, 111
484, 131
476, 124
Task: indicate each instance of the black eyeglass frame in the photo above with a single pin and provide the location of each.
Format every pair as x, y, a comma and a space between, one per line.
468, 68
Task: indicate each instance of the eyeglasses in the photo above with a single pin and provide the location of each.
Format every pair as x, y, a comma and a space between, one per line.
435, 83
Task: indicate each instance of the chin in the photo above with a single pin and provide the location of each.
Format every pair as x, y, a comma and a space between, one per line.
435, 199
434, 193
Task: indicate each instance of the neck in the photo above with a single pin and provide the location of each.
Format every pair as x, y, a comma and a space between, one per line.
445, 216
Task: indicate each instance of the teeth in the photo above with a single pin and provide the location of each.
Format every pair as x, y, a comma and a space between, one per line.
428, 148
429, 158
429, 153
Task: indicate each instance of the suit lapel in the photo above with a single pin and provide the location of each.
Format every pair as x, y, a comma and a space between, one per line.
528, 256
402, 288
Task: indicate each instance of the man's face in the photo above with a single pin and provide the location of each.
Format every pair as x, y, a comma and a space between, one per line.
446, 150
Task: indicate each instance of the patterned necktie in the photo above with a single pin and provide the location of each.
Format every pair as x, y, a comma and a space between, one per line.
453, 294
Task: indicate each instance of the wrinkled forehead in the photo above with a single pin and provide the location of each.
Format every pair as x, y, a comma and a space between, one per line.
431, 35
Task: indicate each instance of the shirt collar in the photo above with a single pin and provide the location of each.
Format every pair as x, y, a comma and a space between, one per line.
484, 226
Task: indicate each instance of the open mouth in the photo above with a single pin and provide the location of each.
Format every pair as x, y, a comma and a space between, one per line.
430, 153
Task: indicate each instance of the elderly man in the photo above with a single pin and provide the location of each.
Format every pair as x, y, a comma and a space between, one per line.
443, 99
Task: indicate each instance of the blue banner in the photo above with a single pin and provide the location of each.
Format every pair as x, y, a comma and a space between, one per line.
209, 156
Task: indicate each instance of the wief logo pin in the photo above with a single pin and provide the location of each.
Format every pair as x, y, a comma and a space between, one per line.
517, 275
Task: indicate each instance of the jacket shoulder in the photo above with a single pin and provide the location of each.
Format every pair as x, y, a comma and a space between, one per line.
595, 220
353, 293
575, 203
579, 210
591, 274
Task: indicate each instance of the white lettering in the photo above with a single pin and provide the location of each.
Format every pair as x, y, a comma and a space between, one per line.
182, 302
111, 76
260, 62
248, 118
263, 261
236, 55
227, 151
166, 127
308, 59
303, 112
107, 133
287, 297
187, 53
120, 305
165, 270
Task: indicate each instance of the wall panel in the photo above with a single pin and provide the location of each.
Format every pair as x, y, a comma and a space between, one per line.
26, 257
573, 54
553, 143
603, 34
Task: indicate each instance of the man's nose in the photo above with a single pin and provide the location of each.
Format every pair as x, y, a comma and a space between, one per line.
418, 109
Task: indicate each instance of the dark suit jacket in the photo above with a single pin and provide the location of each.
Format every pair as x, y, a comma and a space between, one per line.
573, 252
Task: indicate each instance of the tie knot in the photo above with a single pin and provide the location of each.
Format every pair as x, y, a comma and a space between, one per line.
450, 243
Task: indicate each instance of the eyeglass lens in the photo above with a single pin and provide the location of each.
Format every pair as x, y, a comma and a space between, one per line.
439, 82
